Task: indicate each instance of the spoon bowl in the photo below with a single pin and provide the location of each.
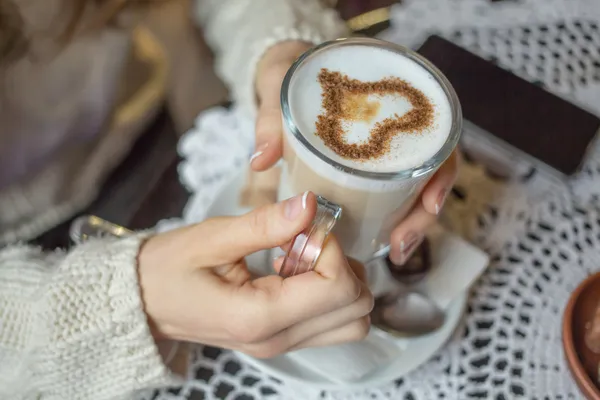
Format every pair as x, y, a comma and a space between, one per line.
405, 312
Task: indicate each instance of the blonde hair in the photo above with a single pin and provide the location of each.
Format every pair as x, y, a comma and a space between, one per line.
14, 40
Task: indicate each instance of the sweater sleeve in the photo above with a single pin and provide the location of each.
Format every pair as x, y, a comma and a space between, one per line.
240, 31
72, 325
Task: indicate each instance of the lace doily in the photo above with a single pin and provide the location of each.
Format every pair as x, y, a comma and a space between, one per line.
543, 235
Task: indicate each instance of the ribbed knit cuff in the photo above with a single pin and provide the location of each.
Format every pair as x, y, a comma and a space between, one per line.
100, 344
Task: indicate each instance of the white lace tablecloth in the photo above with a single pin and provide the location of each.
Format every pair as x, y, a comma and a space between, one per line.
543, 235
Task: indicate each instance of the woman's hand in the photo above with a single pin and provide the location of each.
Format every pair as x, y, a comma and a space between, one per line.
270, 73
196, 287
269, 135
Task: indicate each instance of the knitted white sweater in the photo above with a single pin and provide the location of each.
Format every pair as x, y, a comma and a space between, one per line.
72, 325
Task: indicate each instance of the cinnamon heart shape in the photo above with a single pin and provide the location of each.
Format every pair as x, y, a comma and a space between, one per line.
346, 99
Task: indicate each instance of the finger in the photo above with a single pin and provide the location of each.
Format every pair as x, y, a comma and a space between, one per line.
359, 269
410, 233
271, 304
332, 285
229, 239
291, 338
332, 262
233, 273
269, 129
330, 321
352, 332
437, 189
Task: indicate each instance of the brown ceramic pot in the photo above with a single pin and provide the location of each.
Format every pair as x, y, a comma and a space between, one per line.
579, 312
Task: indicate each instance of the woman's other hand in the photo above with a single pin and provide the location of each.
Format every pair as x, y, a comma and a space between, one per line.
269, 129
269, 143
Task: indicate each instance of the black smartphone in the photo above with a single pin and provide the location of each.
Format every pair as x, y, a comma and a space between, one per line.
501, 105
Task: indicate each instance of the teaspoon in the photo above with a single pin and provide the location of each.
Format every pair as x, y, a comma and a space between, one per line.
405, 312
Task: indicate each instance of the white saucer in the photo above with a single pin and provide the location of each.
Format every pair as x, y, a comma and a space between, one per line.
462, 264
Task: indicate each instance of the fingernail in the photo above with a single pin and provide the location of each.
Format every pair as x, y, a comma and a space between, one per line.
295, 206
441, 199
407, 246
259, 152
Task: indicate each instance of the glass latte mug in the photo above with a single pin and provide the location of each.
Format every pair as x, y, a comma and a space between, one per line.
360, 202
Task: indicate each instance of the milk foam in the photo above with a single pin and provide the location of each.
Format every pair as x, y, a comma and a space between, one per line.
367, 63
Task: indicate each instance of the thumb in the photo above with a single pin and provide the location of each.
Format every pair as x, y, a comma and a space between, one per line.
230, 239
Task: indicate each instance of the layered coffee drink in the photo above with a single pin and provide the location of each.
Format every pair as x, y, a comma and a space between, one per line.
366, 125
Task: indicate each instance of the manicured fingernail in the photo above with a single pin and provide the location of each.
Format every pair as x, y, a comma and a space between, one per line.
407, 246
441, 199
259, 152
295, 206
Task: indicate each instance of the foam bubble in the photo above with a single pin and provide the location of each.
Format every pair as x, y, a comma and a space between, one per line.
367, 63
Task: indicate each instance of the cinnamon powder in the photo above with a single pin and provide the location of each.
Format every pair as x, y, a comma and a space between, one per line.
346, 99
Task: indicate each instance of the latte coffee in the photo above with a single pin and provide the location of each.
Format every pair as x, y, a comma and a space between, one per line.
366, 123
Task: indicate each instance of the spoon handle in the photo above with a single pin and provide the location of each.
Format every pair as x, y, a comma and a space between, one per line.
88, 226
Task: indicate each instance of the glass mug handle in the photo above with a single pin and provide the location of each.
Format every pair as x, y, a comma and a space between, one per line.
306, 247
